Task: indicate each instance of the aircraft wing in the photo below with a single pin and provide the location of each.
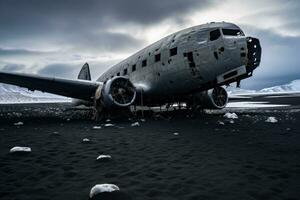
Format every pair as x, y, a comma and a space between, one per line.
79, 89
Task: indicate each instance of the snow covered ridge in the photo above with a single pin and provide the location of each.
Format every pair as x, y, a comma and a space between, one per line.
293, 86
15, 94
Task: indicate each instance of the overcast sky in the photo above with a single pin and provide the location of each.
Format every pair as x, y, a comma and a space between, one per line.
56, 37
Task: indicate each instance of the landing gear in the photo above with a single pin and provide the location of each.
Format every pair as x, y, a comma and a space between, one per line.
97, 114
192, 106
238, 84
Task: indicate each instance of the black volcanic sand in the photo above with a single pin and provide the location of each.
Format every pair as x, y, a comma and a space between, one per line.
250, 159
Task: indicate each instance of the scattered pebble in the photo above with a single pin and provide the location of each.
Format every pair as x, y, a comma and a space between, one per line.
86, 140
108, 120
109, 125
231, 115
221, 123
19, 124
97, 127
271, 120
135, 124
231, 122
99, 188
175, 133
20, 149
143, 120
288, 129
106, 157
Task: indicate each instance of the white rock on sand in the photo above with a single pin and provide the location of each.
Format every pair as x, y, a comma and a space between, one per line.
106, 187
97, 127
109, 125
101, 157
175, 133
221, 123
271, 120
231, 115
86, 140
19, 124
20, 149
135, 124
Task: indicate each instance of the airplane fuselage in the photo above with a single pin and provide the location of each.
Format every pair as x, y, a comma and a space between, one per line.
189, 61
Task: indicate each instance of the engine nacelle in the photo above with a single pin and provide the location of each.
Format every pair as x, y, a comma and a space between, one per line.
118, 91
216, 98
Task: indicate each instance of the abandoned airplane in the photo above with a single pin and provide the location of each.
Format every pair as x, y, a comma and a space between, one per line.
188, 66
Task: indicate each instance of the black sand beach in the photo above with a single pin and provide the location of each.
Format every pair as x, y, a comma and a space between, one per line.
247, 159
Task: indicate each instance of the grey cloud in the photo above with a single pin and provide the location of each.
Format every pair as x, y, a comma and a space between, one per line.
18, 52
60, 70
34, 18
285, 13
71, 70
12, 67
102, 42
93, 11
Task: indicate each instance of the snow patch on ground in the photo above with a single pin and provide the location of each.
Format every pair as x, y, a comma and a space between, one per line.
10, 94
253, 104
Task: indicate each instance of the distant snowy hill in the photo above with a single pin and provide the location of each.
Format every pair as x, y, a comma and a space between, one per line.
293, 86
234, 90
15, 94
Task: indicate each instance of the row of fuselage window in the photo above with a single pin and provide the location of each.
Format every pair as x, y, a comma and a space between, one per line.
157, 58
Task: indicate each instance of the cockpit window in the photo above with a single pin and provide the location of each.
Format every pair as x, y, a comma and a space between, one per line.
232, 32
214, 35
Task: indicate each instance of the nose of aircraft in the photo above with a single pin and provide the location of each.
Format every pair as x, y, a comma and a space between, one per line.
254, 53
